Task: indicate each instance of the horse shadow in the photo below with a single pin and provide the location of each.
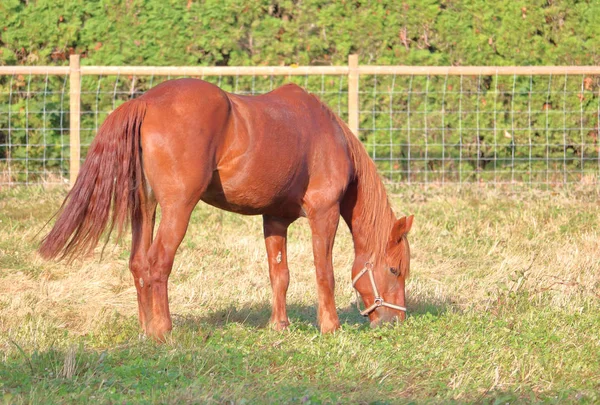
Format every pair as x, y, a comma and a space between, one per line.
301, 316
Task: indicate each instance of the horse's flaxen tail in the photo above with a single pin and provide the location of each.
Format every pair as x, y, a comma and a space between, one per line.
110, 176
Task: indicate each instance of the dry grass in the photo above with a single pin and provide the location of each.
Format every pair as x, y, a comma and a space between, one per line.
466, 249
472, 253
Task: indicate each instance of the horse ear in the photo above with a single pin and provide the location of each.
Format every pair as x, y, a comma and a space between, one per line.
401, 228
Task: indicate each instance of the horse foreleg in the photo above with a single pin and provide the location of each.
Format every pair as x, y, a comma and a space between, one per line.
275, 231
323, 224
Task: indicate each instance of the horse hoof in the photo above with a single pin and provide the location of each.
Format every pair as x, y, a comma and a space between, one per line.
159, 332
330, 328
280, 325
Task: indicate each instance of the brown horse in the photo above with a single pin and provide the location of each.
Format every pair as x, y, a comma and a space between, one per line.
283, 155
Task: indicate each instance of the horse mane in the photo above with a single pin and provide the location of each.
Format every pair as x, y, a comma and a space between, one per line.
377, 216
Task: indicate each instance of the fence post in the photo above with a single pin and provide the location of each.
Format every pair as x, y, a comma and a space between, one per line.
353, 93
74, 116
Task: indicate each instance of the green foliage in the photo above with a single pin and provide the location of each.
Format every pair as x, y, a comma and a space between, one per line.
238, 32
319, 32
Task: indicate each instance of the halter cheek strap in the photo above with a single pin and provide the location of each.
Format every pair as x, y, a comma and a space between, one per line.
379, 301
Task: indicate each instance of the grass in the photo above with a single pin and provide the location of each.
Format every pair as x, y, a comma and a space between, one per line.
504, 304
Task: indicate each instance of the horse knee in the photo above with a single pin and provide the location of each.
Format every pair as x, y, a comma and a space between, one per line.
325, 279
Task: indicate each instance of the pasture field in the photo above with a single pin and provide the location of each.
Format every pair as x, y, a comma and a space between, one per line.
504, 307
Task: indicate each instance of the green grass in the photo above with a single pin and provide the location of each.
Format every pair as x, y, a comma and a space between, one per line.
504, 307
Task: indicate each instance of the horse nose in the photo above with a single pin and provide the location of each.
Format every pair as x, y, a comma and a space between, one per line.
387, 316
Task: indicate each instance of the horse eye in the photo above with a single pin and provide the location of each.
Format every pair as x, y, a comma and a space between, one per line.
394, 271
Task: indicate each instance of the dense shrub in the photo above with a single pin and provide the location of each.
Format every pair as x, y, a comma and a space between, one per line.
259, 32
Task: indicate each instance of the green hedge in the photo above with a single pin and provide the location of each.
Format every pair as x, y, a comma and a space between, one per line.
242, 32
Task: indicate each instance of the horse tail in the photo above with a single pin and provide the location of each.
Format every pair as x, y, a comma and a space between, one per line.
110, 176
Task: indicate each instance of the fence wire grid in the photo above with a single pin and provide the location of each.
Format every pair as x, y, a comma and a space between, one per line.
534, 130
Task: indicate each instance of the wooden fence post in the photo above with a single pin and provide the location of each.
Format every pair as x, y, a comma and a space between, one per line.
353, 93
74, 117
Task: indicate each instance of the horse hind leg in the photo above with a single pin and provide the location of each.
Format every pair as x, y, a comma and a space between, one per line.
152, 258
142, 225
178, 180
160, 257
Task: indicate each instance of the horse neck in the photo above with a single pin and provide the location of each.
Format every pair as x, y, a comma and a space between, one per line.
369, 216
365, 207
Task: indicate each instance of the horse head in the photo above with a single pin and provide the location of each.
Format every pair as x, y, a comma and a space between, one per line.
381, 283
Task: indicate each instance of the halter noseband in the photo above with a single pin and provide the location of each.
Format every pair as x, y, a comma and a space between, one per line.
379, 301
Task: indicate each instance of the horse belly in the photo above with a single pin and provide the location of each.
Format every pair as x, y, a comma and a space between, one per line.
254, 196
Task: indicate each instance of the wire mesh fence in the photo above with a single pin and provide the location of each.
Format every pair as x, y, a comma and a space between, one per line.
34, 128
531, 130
